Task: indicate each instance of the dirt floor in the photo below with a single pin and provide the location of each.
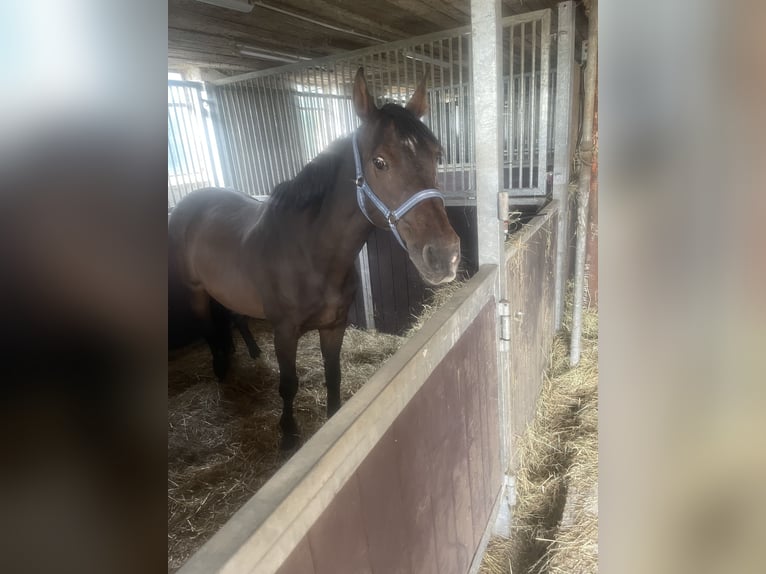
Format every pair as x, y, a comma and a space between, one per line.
555, 520
223, 439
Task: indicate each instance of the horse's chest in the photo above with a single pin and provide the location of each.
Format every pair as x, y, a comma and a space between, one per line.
328, 306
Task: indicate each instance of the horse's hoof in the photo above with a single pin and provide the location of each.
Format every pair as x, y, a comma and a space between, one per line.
289, 442
332, 408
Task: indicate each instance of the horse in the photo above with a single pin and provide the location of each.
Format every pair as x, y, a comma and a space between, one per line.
290, 259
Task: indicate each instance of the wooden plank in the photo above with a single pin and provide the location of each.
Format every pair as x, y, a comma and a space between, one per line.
300, 561
530, 265
383, 508
415, 472
338, 540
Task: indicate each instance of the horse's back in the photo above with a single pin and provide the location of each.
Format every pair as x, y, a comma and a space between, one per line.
207, 232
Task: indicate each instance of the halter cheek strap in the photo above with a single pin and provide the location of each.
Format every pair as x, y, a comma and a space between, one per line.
392, 216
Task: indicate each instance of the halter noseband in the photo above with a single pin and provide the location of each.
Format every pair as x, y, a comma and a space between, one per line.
392, 216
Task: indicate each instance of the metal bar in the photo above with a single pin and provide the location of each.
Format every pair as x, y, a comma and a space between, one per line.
532, 103
254, 180
237, 129
453, 120
583, 191
487, 81
545, 59
184, 144
364, 267
512, 147
562, 153
251, 160
209, 138
463, 110
189, 139
522, 107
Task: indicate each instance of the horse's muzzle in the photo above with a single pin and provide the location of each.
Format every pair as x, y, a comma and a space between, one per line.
441, 261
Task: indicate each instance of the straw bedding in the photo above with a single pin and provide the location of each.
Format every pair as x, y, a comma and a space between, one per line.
555, 521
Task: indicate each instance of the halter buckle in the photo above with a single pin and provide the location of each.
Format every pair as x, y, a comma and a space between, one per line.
360, 181
392, 219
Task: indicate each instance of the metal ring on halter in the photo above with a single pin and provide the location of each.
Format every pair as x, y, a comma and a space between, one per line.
392, 216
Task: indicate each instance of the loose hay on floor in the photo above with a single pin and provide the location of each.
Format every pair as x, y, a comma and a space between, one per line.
223, 439
555, 521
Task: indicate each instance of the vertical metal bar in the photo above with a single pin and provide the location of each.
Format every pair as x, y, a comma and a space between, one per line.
288, 86
225, 133
487, 49
183, 141
188, 135
532, 102
583, 191
284, 123
206, 115
190, 151
277, 155
522, 106
252, 158
266, 164
173, 139
449, 158
193, 120
233, 129
512, 147
562, 149
462, 102
545, 59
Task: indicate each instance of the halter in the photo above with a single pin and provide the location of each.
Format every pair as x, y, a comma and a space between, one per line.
392, 216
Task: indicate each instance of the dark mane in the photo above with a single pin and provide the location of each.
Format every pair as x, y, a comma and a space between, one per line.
307, 189
407, 126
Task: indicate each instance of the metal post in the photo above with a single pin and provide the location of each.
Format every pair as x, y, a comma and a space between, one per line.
562, 149
583, 191
487, 96
487, 80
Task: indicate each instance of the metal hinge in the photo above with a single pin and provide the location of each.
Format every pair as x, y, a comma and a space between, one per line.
502, 205
504, 311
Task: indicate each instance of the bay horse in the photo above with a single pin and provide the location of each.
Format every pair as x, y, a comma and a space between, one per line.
290, 259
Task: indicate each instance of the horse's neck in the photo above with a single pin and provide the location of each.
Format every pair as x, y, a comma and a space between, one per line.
342, 229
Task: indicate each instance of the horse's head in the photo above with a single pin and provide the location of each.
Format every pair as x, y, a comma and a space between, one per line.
397, 155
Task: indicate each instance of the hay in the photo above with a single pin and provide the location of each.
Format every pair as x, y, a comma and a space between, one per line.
223, 439
555, 521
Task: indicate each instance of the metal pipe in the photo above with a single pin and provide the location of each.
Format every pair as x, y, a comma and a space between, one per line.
316, 22
583, 191
562, 146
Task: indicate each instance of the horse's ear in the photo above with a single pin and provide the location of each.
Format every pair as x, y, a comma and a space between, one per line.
418, 104
363, 102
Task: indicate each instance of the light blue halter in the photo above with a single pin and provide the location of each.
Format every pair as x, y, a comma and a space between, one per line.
392, 216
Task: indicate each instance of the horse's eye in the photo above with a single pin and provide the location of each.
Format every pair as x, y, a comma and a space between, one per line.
380, 163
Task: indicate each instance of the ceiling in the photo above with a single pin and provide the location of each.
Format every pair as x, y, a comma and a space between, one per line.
219, 41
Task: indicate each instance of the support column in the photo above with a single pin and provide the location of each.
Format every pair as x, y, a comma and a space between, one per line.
563, 147
487, 83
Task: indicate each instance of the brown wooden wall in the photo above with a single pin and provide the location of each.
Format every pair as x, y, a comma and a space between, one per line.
530, 264
421, 500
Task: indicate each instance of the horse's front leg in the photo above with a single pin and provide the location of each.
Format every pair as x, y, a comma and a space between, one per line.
330, 341
286, 345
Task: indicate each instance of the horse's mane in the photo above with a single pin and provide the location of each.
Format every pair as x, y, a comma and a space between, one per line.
307, 189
